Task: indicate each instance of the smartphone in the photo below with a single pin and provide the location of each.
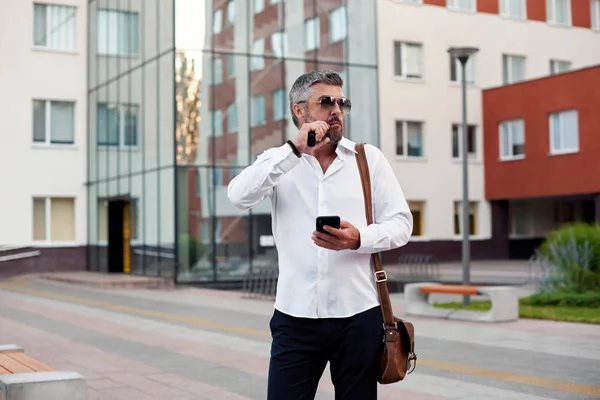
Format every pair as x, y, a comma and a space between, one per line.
312, 141
330, 220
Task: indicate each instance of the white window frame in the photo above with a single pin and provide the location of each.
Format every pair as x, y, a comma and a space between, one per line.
471, 156
551, 13
257, 60
510, 58
217, 21
217, 116
510, 124
230, 11
218, 70
567, 150
258, 6
555, 66
403, 66
118, 52
48, 219
405, 154
520, 210
279, 52
48, 124
313, 26
344, 24
454, 5
470, 70
232, 110
121, 107
277, 104
255, 98
474, 209
505, 9
595, 14
74, 33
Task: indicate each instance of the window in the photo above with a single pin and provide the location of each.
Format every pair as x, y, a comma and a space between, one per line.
117, 125
407, 60
217, 122
473, 209
520, 219
338, 28
118, 33
230, 66
258, 111
595, 11
512, 139
513, 68
103, 219
456, 69
259, 5
54, 27
417, 209
312, 34
564, 132
409, 139
465, 5
471, 141
278, 105
231, 13
217, 21
279, 44
218, 71
53, 219
513, 8
53, 122
558, 67
257, 62
559, 11
232, 118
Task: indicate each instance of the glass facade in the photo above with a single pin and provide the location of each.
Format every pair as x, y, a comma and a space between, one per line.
183, 94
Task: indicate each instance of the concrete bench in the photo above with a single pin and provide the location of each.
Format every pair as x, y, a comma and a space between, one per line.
24, 378
504, 299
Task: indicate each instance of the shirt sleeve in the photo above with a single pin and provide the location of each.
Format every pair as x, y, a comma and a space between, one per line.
392, 220
257, 181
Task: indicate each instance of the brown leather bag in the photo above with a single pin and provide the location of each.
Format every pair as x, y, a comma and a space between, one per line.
398, 358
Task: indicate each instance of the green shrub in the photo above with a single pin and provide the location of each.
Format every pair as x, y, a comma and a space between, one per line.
574, 299
573, 254
194, 249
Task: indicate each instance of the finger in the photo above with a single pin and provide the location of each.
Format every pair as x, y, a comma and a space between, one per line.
334, 231
323, 236
326, 245
345, 224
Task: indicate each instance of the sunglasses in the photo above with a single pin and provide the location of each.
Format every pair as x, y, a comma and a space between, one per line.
328, 102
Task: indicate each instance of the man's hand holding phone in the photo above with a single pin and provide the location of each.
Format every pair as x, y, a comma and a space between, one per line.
319, 128
346, 237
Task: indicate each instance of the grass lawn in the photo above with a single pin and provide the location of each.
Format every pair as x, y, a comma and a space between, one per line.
557, 313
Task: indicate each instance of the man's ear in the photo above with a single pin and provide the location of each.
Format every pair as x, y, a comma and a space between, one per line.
298, 111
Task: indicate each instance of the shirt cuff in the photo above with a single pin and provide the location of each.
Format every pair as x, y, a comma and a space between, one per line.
287, 158
367, 239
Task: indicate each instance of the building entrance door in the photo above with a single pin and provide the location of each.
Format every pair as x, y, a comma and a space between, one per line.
119, 236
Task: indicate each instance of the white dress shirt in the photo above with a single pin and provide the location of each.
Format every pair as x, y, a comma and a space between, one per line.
315, 282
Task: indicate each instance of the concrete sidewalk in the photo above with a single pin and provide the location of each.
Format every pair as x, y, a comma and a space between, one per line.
187, 343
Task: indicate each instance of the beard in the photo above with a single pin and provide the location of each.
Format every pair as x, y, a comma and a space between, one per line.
335, 133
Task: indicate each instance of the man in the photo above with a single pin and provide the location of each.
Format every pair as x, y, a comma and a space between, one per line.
327, 306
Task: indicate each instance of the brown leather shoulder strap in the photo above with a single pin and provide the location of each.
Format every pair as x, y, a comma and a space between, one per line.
380, 275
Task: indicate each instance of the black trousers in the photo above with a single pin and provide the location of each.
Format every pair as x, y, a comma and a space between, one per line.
302, 347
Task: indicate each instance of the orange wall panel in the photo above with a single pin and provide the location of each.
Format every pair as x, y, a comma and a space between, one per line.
488, 6
441, 3
539, 173
581, 13
536, 10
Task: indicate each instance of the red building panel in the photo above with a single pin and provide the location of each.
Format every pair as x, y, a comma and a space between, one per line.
441, 3
488, 6
536, 10
581, 12
539, 173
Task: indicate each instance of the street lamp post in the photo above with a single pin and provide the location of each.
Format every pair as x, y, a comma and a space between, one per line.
463, 54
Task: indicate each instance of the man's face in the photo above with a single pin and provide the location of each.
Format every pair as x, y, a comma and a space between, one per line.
320, 108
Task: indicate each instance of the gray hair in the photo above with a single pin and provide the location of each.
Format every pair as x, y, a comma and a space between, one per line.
302, 88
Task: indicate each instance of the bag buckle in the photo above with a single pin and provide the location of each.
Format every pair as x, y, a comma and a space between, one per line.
380, 276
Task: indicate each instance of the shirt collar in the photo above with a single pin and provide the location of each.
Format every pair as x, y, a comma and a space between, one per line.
345, 145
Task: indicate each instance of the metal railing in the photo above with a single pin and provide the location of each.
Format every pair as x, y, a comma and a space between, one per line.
417, 267
260, 283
